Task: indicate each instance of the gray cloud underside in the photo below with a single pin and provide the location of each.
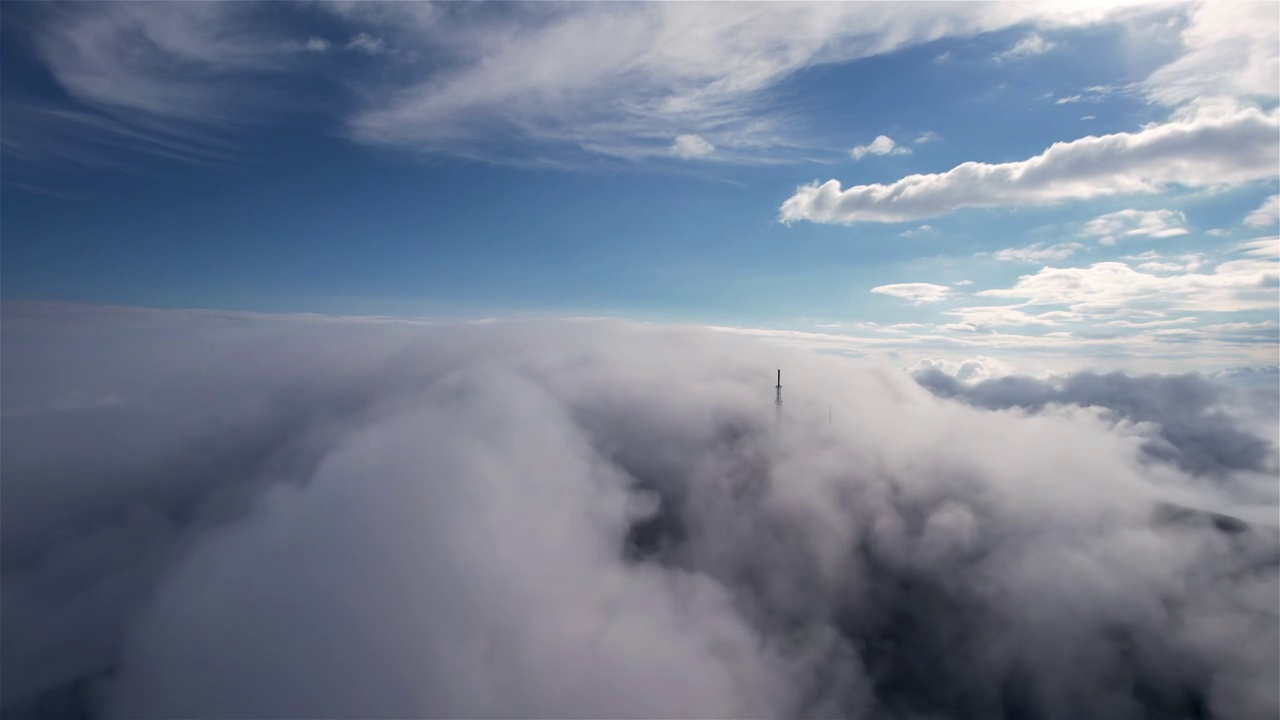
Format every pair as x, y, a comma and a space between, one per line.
1197, 423
314, 518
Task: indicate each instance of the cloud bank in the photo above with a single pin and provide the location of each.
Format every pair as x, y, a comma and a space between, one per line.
1203, 151
313, 517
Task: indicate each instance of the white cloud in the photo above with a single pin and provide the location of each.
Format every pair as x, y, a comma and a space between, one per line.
917, 231
366, 43
1111, 288
1262, 247
916, 292
882, 145
612, 79
1229, 48
1132, 223
927, 136
1267, 214
1157, 266
1088, 117
961, 283
1038, 252
542, 520
1180, 263
167, 60
1068, 99
1028, 46
1060, 350
987, 318
691, 146
1205, 151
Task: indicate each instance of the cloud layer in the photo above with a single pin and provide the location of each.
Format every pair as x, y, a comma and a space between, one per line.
311, 517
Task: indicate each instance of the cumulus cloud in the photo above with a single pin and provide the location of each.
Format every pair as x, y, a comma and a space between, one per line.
1130, 223
916, 292
1202, 151
882, 145
927, 136
310, 517
691, 146
1267, 214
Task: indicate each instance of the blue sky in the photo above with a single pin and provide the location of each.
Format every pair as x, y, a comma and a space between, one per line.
994, 180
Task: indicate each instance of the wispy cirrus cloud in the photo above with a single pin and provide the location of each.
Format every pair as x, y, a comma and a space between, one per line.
601, 79
191, 62
1029, 46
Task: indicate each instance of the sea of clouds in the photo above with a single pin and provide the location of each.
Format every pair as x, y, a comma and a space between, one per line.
219, 515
